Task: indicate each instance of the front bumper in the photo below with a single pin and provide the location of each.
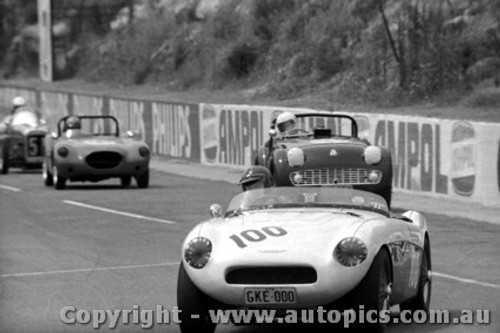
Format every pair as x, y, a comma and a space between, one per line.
82, 171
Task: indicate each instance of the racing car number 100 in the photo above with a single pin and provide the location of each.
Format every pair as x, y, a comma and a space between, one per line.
253, 235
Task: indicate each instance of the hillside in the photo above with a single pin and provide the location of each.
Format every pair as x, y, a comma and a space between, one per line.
360, 54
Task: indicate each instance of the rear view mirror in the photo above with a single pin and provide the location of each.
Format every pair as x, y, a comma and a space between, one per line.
216, 210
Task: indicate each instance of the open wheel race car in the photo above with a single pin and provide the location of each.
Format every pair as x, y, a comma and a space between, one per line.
323, 149
299, 248
90, 148
22, 140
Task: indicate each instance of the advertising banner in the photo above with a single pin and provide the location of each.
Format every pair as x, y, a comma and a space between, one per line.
54, 106
232, 134
175, 130
7, 94
132, 115
440, 158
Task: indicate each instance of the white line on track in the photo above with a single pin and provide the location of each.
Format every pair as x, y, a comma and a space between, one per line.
117, 212
471, 281
10, 188
85, 270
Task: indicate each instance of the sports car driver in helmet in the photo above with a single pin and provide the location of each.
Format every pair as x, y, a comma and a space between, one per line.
17, 103
255, 177
72, 126
286, 123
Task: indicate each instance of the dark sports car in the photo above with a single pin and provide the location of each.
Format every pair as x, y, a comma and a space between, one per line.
22, 140
94, 151
324, 150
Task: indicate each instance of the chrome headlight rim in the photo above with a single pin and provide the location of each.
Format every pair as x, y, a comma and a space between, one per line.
372, 155
296, 157
144, 152
350, 252
197, 252
63, 152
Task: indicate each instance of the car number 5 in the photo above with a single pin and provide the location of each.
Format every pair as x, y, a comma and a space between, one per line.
33, 146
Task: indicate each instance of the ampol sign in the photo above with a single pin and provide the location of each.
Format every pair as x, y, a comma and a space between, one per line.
231, 135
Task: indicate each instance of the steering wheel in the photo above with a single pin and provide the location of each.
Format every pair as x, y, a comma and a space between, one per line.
295, 132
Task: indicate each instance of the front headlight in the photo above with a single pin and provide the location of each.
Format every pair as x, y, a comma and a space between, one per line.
197, 252
63, 152
144, 152
295, 157
350, 251
372, 155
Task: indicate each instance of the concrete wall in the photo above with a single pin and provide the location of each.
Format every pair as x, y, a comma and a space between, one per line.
436, 157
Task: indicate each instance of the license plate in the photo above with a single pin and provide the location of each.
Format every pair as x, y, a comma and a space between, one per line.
270, 295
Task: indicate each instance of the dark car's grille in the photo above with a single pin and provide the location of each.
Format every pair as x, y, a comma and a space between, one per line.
335, 176
104, 160
272, 275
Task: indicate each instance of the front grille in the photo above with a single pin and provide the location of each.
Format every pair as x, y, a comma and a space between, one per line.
335, 176
104, 160
272, 275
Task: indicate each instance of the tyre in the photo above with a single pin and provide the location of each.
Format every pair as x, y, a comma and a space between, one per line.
48, 179
374, 293
126, 180
143, 180
190, 300
5, 158
59, 182
423, 299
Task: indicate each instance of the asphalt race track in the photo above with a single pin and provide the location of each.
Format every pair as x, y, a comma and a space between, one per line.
99, 246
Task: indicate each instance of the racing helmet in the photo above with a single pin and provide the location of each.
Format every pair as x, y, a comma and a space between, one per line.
256, 176
286, 121
274, 117
73, 122
18, 101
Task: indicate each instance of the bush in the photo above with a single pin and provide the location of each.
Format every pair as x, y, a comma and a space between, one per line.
482, 99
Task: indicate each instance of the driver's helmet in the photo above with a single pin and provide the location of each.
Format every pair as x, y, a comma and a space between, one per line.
286, 122
18, 101
73, 122
274, 117
255, 177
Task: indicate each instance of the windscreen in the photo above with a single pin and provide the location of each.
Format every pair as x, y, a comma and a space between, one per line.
317, 125
314, 197
92, 126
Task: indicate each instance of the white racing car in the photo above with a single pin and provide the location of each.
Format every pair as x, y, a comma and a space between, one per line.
299, 248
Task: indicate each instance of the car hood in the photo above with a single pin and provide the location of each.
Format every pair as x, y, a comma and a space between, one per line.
319, 152
97, 142
305, 232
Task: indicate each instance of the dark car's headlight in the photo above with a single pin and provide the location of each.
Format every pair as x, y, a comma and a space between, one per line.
350, 251
372, 155
295, 157
63, 152
144, 152
197, 252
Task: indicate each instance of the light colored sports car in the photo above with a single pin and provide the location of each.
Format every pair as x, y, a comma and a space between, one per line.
22, 140
90, 148
299, 248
